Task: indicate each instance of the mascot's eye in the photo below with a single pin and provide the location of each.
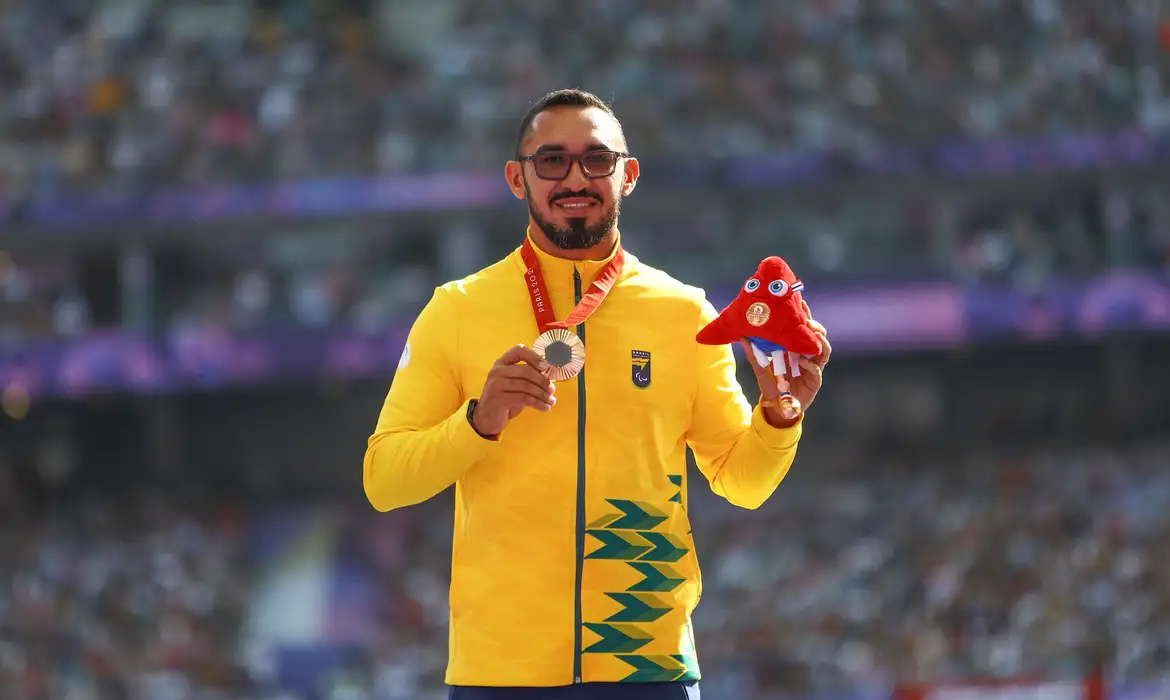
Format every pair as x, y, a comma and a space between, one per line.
778, 287
752, 285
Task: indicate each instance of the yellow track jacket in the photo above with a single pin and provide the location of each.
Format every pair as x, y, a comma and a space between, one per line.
572, 557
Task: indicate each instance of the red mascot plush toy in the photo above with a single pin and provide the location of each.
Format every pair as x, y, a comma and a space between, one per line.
769, 313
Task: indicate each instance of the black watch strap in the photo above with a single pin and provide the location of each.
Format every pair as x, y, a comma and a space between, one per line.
471, 419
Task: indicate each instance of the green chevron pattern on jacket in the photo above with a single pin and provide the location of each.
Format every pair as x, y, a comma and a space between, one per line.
604, 521
691, 663
616, 639
659, 578
676, 479
628, 535
633, 545
637, 607
667, 547
635, 516
621, 546
654, 669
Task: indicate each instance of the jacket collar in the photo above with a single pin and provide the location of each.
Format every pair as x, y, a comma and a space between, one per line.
558, 272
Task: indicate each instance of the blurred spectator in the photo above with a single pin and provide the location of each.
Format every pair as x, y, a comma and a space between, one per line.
126, 599
152, 93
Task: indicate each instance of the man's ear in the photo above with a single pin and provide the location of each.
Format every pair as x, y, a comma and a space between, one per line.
514, 174
630, 178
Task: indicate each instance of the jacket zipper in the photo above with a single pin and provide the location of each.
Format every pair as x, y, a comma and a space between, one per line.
577, 617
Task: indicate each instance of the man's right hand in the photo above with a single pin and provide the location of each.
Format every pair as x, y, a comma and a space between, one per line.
514, 383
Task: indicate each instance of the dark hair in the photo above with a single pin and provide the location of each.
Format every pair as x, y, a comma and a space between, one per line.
569, 97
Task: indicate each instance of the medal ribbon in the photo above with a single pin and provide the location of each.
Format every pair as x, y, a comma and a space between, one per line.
541, 302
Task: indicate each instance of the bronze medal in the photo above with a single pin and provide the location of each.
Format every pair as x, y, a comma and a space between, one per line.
563, 351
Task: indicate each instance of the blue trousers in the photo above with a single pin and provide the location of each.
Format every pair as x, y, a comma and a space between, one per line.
679, 690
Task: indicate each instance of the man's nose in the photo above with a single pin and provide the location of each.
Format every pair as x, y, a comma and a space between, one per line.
576, 174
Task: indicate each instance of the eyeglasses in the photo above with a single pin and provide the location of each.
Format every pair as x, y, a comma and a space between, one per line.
554, 165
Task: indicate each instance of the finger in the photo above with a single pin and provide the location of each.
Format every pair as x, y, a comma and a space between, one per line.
522, 353
768, 387
526, 373
764, 376
513, 399
760, 370
826, 351
817, 326
809, 365
521, 386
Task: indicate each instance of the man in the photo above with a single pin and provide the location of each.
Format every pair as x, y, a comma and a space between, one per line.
574, 573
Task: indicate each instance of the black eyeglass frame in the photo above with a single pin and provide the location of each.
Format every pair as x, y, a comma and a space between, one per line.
573, 160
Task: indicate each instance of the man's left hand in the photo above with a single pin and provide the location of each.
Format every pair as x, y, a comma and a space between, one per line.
803, 388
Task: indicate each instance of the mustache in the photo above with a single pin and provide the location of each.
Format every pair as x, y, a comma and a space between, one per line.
567, 195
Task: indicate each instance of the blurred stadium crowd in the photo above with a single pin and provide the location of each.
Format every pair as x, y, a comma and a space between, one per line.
143, 92
958, 563
121, 598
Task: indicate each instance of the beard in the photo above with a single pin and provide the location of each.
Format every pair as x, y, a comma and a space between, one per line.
577, 235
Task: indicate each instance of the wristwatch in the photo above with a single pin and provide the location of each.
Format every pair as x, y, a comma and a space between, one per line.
471, 420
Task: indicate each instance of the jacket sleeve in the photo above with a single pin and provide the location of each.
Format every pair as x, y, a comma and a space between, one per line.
423, 442
737, 450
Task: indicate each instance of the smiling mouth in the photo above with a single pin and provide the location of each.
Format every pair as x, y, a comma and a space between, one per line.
575, 204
